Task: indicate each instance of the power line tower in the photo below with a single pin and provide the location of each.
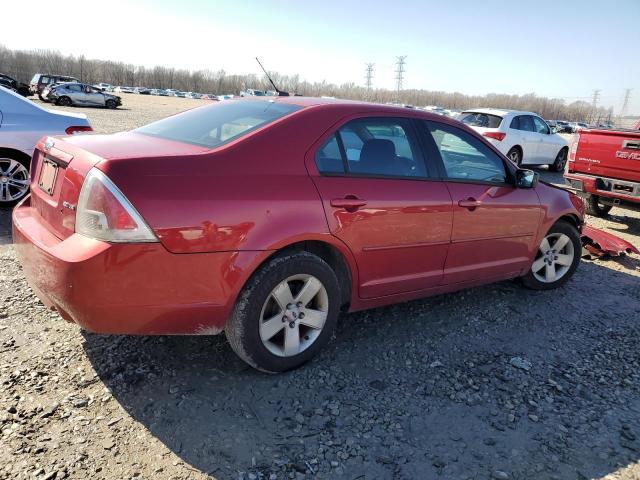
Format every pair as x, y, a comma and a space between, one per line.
369, 75
594, 103
400, 73
625, 102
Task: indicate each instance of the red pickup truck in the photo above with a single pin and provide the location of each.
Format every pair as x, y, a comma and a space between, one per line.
604, 168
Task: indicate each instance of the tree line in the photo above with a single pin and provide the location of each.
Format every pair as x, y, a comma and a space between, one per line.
23, 64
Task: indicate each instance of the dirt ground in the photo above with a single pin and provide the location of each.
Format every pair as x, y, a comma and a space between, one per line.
496, 382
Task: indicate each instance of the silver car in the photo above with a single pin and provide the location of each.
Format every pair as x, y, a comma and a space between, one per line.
80, 94
22, 124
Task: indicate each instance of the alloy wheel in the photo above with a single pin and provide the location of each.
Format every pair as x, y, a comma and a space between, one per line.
554, 259
14, 180
294, 315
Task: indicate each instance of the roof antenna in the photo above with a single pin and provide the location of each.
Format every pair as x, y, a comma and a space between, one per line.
280, 92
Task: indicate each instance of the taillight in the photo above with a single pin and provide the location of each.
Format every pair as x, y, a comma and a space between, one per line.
104, 213
495, 135
574, 148
77, 128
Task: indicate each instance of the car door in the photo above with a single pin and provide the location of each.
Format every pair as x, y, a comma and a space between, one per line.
76, 93
494, 223
380, 201
547, 148
94, 97
529, 138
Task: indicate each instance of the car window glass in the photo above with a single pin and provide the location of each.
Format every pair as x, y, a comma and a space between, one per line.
44, 80
381, 146
526, 123
465, 157
515, 123
541, 126
329, 158
75, 88
477, 119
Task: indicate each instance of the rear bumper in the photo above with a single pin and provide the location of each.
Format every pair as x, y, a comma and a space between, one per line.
604, 186
126, 288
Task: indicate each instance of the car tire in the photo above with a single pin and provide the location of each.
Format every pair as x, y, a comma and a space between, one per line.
18, 165
42, 98
111, 104
253, 330
560, 161
594, 207
64, 102
515, 155
556, 259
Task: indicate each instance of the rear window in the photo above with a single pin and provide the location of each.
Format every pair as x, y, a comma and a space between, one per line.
218, 124
477, 119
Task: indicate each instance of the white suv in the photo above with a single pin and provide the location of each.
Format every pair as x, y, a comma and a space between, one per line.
523, 137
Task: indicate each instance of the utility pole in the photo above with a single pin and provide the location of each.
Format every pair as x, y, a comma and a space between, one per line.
625, 102
400, 73
369, 75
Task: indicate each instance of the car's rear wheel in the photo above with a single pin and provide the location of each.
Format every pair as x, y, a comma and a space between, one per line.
557, 258
515, 155
111, 104
594, 207
286, 313
14, 179
560, 161
64, 101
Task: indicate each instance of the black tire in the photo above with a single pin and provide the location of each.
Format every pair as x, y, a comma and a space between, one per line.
64, 102
560, 227
594, 207
560, 161
25, 161
42, 98
515, 155
243, 328
111, 104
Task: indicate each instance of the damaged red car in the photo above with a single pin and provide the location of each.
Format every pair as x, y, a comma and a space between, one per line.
264, 218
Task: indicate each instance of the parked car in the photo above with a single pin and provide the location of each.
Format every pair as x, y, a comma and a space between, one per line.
604, 168
81, 94
252, 92
637, 126
105, 87
523, 137
121, 89
142, 90
343, 206
12, 84
180, 94
41, 80
562, 126
22, 124
171, 92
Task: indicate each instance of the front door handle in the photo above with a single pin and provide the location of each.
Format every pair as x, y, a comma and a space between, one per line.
350, 203
470, 203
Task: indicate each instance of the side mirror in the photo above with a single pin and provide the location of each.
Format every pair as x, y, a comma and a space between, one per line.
554, 130
526, 178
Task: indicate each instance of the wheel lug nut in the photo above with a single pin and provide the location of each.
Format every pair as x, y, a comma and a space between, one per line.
284, 319
292, 324
301, 315
299, 304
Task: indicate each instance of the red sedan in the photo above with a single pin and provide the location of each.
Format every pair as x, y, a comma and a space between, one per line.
264, 218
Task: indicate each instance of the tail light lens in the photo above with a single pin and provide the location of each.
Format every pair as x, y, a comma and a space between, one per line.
495, 135
76, 129
104, 213
574, 148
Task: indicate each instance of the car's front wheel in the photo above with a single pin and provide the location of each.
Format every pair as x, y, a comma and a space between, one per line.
560, 161
111, 104
515, 155
286, 313
556, 259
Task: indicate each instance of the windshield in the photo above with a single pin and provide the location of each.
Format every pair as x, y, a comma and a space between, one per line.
477, 119
218, 124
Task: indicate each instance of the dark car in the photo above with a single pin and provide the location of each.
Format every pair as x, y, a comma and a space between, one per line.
12, 84
41, 80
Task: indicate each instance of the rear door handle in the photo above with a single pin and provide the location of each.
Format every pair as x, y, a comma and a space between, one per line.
470, 203
351, 203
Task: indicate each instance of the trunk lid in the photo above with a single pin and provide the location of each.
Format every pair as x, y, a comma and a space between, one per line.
608, 153
60, 165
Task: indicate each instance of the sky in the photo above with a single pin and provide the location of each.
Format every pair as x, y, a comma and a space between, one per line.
552, 48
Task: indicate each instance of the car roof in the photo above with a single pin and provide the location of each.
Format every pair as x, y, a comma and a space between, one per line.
500, 112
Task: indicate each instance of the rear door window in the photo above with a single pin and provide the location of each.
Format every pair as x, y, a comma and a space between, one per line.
526, 123
478, 119
374, 146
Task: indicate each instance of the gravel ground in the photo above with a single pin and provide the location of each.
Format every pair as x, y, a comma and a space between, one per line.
496, 382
